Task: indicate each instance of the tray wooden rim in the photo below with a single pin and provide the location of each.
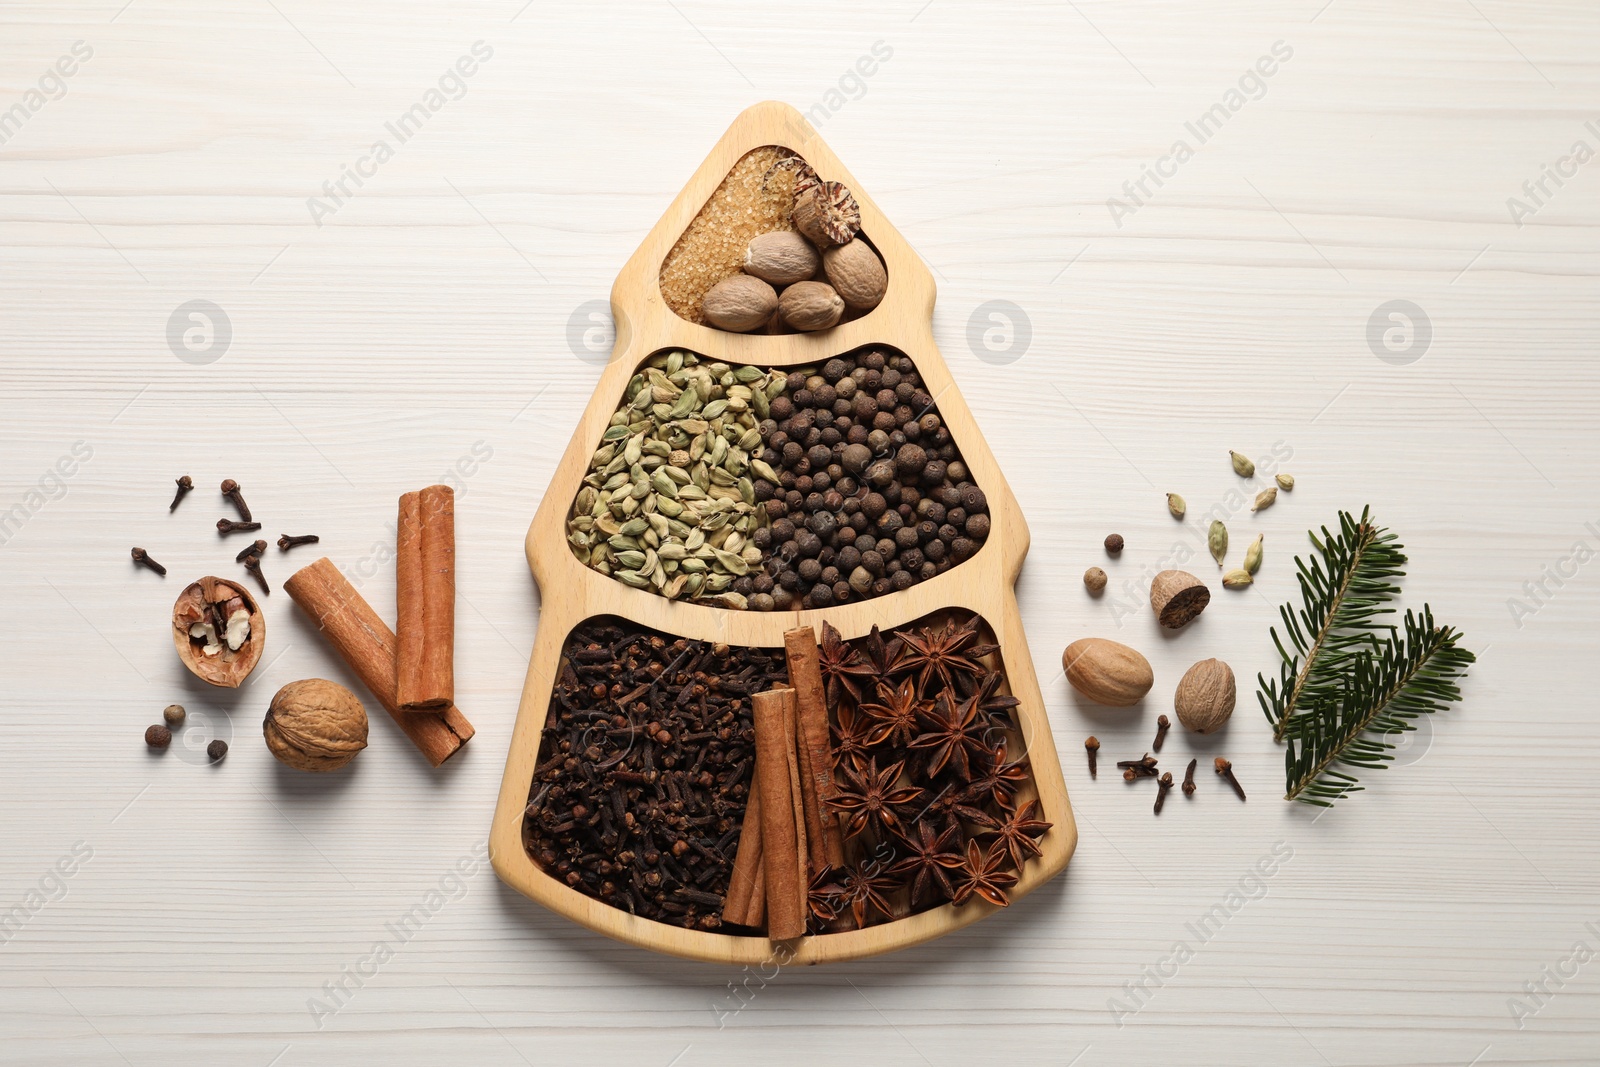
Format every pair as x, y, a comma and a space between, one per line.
571, 592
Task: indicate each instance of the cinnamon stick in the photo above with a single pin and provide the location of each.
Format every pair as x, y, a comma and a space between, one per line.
783, 827
425, 599
823, 834
367, 645
746, 902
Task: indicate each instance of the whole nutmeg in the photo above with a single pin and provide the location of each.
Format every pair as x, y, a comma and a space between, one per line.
1107, 672
158, 736
315, 725
781, 257
1177, 597
856, 273
810, 306
1205, 696
1095, 579
742, 302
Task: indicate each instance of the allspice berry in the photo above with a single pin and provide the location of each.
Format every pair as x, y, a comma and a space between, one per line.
217, 749
158, 736
1177, 597
1205, 696
174, 714
1095, 579
1114, 543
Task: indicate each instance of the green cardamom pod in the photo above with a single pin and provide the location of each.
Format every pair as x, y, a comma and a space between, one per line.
1252, 555
1176, 505
1242, 466
1237, 579
1265, 499
1217, 541
1285, 482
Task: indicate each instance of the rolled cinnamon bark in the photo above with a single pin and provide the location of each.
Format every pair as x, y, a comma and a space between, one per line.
783, 827
746, 902
425, 600
368, 645
824, 838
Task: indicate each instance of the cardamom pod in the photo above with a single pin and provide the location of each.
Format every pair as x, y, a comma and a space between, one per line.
1217, 541
1242, 466
1265, 499
1176, 505
1285, 482
1252, 555
1237, 579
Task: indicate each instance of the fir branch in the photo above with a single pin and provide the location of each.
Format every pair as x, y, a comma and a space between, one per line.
1408, 675
1345, 598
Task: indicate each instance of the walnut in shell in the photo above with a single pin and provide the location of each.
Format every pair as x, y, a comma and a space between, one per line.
219, 631
315, 725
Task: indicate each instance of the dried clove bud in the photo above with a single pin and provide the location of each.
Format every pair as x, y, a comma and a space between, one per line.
1225, 769
142, 558
252, 563
285, 542
250, 550
228, 526
1163, 724
1163, 787
230, 489
185, 484
1141, 768
1093, 747
1188, 778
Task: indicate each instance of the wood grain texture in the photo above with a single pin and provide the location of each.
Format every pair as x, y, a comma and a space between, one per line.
421, 335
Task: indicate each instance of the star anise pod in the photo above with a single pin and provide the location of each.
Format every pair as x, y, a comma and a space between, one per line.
863, 890
950, 808
945, 654
852, 732
995, 706
929, 859
1000, 780
987, 875
844, 669
882, 656
895, 717
824, 899
1015, 832
954, 737
869, 798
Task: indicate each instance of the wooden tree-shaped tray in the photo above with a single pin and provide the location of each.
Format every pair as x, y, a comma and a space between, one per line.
572, 592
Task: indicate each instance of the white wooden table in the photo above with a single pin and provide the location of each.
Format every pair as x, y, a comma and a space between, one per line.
432, 328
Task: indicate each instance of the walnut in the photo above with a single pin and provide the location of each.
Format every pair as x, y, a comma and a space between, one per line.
219, 631
315, 725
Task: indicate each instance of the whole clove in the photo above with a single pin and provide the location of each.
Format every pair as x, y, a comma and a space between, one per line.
1225, 769
1093, 747
185, 484
1188, 778
230, 489
1163, 787
250, 550
1163, 724
142, 558
285, 542
1141, 768
228, 526
252, 563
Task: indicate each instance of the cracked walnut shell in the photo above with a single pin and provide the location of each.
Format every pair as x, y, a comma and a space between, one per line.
315, 725
219, 631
